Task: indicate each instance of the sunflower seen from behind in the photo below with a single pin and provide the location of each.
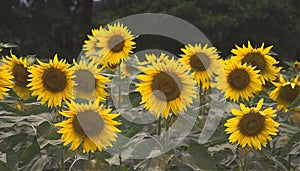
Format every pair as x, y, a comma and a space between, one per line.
166, 87
259, 58
51, 82
252, 127
202, 60
89, 124
88, 82
238, 80
19, 69
285, 92
115, 43
5, 82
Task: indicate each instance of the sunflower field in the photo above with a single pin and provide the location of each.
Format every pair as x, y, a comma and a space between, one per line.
112, 109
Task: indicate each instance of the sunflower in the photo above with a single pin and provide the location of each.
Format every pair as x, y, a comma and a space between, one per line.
252, 127
19, 69
128, 69
238, 80
88, 83
5, 82
201, 60
285, 92
51, 81
90, 123
115, 44
166, 87
90, 48
150, 58
295, 66
259, 58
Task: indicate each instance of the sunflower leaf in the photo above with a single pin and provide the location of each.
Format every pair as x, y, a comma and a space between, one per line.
295, 103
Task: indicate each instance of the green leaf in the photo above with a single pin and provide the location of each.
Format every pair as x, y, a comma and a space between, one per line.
199, 158
4, 167
288, 147
295, 103
30, 152
7, 45
40, 163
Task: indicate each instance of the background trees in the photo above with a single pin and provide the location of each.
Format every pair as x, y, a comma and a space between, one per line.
46, 27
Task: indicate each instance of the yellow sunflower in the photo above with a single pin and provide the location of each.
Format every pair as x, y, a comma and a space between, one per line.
259, 58
90, 48
150, 58
115, 44
295, 66
89, 123
166, 87
252, 127
203, 60
237, 80
127, 70
19, 69
5, 82
51, 81
88, 83
285, 92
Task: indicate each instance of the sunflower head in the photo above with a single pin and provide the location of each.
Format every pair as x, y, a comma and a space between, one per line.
259, 58
238, 80
19, 69
295, 66
202, 60
285, 92
251, 126
115, 43
88, 83
166, 87
5, 82
90, 48
51, 82
89, 123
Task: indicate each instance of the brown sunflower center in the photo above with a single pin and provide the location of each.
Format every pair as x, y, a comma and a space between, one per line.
239, 79
112, 66
255, 59
54, 80
85, 80
116, 43
252, 124
88, 123
288, 94
20, 74
168, 86
200, 62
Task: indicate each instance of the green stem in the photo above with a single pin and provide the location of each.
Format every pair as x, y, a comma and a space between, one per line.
159, 126
168, 121
62, 160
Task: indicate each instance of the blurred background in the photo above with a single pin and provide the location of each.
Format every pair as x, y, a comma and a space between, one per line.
47, 27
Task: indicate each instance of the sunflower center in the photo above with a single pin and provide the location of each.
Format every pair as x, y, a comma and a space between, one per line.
88, 123
85, 80
255, 59
168, 85
252, 124
239, 79
200, 62
54, 80
116, 43
113, 66
20, 74
288, 94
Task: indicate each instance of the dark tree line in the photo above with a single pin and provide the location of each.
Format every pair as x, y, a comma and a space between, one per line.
46, 27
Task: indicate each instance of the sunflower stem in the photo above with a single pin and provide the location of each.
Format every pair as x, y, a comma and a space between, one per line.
62, 160
168, 121
159, 126
119, 105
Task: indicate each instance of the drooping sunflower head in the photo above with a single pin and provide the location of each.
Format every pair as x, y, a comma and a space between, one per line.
238, 80
51, 82
116, 43
259, 58
251, 126
285, 92
127, 70
19, 69
203, 60
90, 48
89, 123
5, 82
88, 83
166, 87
